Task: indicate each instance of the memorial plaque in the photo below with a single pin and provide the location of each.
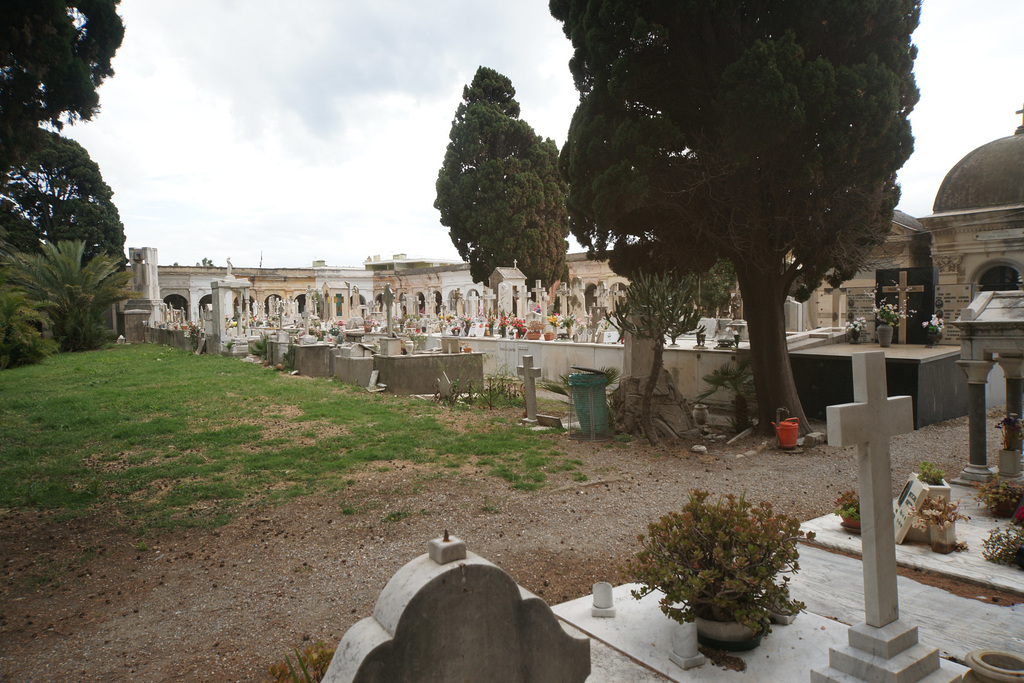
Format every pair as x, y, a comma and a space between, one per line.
860, 303
949, 301
903, 508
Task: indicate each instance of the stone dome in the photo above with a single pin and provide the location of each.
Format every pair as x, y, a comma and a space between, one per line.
992, 175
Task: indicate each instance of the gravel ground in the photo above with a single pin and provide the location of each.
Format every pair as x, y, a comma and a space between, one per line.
83, 600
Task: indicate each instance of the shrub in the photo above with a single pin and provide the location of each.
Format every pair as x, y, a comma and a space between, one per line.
930, 474
848, 505
1003, 543
1000, 491
720, 561
310, 665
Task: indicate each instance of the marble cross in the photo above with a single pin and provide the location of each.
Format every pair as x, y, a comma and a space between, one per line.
529, 375
488, 298
869, 422
563, 299
538, 293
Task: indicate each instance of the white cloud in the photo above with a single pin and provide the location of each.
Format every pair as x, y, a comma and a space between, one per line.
315, 129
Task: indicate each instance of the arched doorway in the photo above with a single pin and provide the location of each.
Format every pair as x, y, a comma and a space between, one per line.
179, 302
270, 305
301, 301
1001, 278
206, 300
438, 301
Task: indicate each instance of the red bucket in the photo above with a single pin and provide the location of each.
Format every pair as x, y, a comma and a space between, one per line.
787, 431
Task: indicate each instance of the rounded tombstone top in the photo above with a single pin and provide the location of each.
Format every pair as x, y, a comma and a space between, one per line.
992, 175
355, 322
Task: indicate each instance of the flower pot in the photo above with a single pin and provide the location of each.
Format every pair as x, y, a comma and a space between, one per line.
932, 339
533, 335
548, 336
700, 414
851, 525
854, 336
731, 636
1009, 463
942, 540
1004, 508
993, 666
884, 334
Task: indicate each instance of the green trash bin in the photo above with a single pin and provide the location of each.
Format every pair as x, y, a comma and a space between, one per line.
588, 398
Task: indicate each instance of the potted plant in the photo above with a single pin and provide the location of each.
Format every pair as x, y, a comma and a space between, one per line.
719, 563
1009, 456
535, 328
854, 327
848, 509
933, 330
1001, 496
939, 518
890, 315
930, 474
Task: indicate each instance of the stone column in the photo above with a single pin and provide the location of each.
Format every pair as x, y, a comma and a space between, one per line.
977, 377
1013, 371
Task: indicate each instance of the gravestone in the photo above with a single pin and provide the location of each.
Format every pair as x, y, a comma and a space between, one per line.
529, 375
950, 300
883, 648
450, 615
860, 303
913, 290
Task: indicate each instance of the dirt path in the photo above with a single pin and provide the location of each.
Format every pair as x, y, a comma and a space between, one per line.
84, 600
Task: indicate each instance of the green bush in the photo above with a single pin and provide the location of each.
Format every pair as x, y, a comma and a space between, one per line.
21, 342
720, 561
1002, 544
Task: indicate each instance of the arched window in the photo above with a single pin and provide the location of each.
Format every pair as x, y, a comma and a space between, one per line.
1000, 279
179, 302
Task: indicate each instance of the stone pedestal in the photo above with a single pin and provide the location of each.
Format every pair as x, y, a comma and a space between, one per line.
889, 653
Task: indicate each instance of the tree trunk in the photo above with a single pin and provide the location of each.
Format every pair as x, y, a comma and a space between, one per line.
763, 307
652, 381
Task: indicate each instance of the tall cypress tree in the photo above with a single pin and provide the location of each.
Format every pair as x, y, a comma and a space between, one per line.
768, 133
499, 190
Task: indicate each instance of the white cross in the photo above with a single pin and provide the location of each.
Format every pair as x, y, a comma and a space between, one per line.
529, 375
869, 422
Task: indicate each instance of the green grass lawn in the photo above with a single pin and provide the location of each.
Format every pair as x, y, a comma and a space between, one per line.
163, 438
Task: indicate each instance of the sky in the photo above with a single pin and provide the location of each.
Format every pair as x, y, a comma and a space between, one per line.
240, 129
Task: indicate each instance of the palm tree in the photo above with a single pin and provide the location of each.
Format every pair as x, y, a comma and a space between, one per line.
737, 379
74, 295
21, 342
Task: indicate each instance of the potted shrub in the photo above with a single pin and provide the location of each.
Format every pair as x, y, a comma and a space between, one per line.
1001, 496
719, 564
939, 518
854, 327
848, 509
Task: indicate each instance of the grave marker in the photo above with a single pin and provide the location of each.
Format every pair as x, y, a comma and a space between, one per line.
529, 375
883, 648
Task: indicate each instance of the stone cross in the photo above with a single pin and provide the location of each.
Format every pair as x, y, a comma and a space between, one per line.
472, 309
902, 289
538, 294
529, 375
524, 301
388, 299
869, 422
563, 299
488, 298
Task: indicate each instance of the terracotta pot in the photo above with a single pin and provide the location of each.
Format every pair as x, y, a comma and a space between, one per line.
851, 525
1004, 508
533, 335
548, 336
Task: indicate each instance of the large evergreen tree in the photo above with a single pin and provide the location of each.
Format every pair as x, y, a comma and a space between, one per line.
59, 194
768, 133
53, 56
499, 190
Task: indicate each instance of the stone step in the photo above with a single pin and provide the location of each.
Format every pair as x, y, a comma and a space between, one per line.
908, 666
830, 675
